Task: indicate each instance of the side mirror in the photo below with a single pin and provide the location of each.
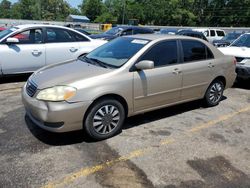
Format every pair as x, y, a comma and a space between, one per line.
12, 40
145, 64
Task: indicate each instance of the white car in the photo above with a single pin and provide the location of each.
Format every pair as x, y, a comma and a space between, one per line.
26, 48
240, 49
212, 34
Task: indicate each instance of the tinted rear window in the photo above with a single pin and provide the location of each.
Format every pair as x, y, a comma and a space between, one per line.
195, 51
220, 33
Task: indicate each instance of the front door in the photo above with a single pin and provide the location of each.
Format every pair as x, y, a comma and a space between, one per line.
161, 85
27, 55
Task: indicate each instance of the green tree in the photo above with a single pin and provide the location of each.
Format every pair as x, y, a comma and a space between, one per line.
5, 9
92, 8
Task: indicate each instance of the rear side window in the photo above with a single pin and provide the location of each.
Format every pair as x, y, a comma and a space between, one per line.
195, 51
79, 37
59, 35
220, 33
162, 54
212, 33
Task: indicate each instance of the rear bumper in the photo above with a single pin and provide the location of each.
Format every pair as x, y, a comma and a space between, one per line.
55, 116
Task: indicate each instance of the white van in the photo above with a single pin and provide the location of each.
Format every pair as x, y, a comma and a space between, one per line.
212, 34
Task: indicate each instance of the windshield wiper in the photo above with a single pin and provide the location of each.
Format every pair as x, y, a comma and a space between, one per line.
102, 64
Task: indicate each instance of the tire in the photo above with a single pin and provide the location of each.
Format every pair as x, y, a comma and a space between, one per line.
214, 93
104, 119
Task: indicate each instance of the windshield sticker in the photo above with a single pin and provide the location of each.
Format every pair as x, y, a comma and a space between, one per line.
138, 41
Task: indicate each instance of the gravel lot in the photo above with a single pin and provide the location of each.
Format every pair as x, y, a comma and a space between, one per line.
186, 146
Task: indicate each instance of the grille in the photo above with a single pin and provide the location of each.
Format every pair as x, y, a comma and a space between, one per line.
31, 88
239, 59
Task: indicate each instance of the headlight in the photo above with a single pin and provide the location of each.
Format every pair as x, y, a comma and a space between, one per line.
57, 93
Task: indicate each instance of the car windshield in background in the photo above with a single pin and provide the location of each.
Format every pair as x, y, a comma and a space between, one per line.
114, 31
231, 36
6, 32
117, 52
243, 41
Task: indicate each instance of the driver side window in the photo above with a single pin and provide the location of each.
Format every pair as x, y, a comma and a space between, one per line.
32, 36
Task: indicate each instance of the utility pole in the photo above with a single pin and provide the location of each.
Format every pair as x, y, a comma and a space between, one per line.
123, 12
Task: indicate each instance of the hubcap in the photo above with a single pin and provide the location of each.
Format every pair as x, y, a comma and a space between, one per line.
106, 119
215, 92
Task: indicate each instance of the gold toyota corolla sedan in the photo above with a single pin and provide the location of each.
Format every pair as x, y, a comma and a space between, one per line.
125, 77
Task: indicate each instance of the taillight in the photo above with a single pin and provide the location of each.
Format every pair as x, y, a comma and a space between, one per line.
235, 61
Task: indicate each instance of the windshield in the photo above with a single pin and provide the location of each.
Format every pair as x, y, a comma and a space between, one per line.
231, 36
242, 41
117, 52
114, 31
6, 32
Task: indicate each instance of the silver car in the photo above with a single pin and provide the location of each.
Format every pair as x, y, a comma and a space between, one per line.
26, 48
125, 77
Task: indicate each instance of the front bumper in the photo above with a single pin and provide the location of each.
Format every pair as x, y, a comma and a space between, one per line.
243, 71
55, 116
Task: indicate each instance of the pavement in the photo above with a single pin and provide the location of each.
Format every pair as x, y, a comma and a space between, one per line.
185, 146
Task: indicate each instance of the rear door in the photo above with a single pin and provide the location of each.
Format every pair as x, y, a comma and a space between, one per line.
161, 85
197, 67
27, 55
61, 46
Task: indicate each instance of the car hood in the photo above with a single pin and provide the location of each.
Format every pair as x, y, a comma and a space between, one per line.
103, 36
236, 51
66, 73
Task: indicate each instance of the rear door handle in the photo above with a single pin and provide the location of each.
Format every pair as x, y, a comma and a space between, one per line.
176, 71
73, 49
36, 52
210, 65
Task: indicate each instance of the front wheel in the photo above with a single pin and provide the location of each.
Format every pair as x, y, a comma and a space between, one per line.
214, 93
105, 119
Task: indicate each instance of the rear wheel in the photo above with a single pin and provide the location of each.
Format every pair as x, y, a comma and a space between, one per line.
104, 119
214, 93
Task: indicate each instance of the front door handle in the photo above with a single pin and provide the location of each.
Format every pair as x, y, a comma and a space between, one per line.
73, 49
176, 71
36, 52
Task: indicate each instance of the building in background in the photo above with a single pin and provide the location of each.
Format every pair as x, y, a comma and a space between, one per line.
77, 18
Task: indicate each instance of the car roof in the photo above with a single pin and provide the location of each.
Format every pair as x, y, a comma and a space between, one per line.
159, 37
190, 31
37, 25
133, 27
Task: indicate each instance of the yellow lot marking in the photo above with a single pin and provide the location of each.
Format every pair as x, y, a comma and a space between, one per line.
135, 154
219, 120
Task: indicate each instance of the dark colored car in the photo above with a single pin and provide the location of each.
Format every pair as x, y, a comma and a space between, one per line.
171, 31
191, 33
82, 31
122, 31
227, 40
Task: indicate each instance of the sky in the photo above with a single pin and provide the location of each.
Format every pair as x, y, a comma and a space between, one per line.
73, 3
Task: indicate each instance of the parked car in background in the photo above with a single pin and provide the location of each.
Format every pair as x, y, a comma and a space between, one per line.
212, 34
26, 48
122, 31
83, 31
191, 33
170, 31
240, 48
227, 40
127, 76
